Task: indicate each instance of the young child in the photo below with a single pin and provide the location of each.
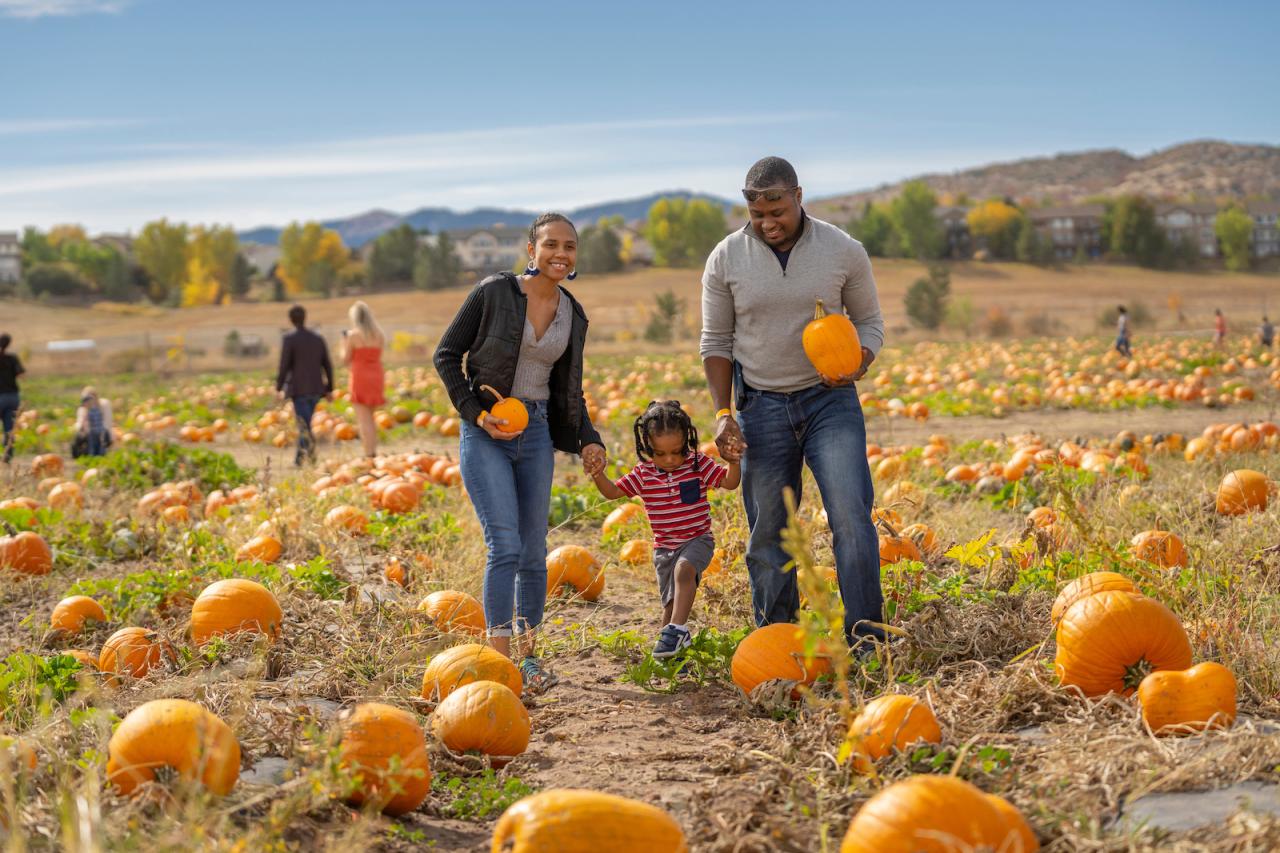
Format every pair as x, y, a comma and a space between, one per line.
672, 479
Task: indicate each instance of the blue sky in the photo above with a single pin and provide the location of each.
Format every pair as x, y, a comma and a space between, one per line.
120, 111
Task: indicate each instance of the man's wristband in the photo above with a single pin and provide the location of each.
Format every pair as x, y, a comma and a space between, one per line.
723, 413
480, 419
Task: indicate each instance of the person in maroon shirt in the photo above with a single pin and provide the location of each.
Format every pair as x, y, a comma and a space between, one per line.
673, 479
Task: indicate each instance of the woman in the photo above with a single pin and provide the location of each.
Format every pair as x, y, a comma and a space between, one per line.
523, 336
93, 422
10, 369
362, 350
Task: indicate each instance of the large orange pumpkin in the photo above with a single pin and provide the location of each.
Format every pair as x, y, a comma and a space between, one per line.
385, 750
460, 665
831, 343
1087, 585
894, 722
454, 612
771, 652
484, 716
567, 820
133, 651
1241, 491
1109, 641
27, 553
233, 605
178, 734
70, 614
1193, 700
936, 814
1160, 547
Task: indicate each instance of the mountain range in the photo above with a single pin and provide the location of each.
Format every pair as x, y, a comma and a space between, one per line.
1207, 169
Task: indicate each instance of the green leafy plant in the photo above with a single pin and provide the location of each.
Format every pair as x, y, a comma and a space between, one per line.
31, 685
478, 797
708, 658
316, 575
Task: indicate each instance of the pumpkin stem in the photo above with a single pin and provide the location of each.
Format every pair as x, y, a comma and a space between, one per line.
819, 312
1134, 673
492, 391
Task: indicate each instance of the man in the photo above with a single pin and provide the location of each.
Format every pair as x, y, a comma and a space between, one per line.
1266, 333
759, 290
1122, 332
305, 375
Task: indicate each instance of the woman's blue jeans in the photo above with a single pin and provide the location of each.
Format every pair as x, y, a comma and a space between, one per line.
509, 483
823, 428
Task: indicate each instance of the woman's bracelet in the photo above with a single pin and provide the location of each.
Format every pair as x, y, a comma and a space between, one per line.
480, 419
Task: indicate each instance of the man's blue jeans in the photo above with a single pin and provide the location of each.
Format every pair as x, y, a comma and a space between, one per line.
509, 483
823, 428
303, 408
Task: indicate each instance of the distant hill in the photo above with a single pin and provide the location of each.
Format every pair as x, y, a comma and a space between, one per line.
1207, 169
358, 230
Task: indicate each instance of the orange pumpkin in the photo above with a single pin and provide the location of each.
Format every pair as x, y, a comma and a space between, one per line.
85, 659
460, 665
636, 552
454, 612
1160, 547
895, 549
568, 820
575, 566
66, 496
263, 548
936, 814
772, 652
27, 553
508, 409
1110, 641
385, 750
894, 722
831, 343
1192, 700
924, 537
178, 734
396, 572
70, 614
1241, 491
234, 605
1086, 585
621, 516
484, 716
134, 652
347, 519
400, 496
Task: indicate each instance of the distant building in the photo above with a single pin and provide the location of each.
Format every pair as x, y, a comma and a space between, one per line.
1071, 230
10, 257
260, 256
489, 250
1190, 223
956, 222
122, 243
1266, 228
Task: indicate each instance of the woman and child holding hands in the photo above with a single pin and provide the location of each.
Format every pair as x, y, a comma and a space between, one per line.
524, 336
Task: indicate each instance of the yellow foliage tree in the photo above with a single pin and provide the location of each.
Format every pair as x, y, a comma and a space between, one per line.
59, 235
311, 257
995, 224
200, 287
215, 248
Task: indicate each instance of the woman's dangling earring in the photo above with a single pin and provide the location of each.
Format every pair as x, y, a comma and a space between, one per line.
531, 270
571, 276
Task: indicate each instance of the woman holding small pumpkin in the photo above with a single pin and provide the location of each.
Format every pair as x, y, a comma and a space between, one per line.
523, 338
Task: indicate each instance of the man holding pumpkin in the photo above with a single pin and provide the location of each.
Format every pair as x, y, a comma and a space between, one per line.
759, 290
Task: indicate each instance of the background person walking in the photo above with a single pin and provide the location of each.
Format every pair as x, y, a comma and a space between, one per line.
1219, 329
361, 350
1122, 332
93, 424
305, 376
1266, 333
10, 401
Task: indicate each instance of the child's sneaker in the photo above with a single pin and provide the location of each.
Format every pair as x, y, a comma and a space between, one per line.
671, 642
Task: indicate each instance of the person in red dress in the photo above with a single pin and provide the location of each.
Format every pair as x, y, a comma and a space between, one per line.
362, 351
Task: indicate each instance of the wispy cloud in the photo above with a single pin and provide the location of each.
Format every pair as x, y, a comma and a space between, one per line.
59, 8
16, 127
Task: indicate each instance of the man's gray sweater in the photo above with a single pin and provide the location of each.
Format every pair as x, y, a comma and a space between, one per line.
754, 311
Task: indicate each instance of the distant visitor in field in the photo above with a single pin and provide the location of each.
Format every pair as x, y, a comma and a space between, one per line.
10, 369
1122, 332
759, 292
93, 424
520, 398
673, 479
1219, 328
1266, 333
361, 350
305, 376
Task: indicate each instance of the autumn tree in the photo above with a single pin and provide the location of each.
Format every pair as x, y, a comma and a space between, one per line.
682, 231
995, 225
392, 257
1130, 230
599, 247
211, 265
161, 249
1233, 228
912, 212
60, 235
311, 257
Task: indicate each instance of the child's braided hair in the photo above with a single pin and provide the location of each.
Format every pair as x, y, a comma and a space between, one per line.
663, 417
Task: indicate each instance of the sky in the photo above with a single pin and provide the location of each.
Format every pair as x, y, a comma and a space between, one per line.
117, 112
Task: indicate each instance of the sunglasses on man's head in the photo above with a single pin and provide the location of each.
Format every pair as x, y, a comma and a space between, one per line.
768, 194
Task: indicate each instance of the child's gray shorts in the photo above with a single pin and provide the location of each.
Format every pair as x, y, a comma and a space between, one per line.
697, 551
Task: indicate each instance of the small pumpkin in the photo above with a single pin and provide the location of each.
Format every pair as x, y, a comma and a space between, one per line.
1242, 491
569, 820
636, 552
936, 814
27, 552
173, 733
386, 751
924, 537
401, 496
454, 612
1109, 641
70, 614
66, 496
1087, 585
1160, 547
133, 651
577, 567
894, 722
772, 652
484, 716
347, 519
831, 343
395, 572
234, 605
1194, 699
895, 549
621, 516
509, 409
464, 664
263, 548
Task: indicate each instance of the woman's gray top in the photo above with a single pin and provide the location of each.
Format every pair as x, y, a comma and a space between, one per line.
533, 370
